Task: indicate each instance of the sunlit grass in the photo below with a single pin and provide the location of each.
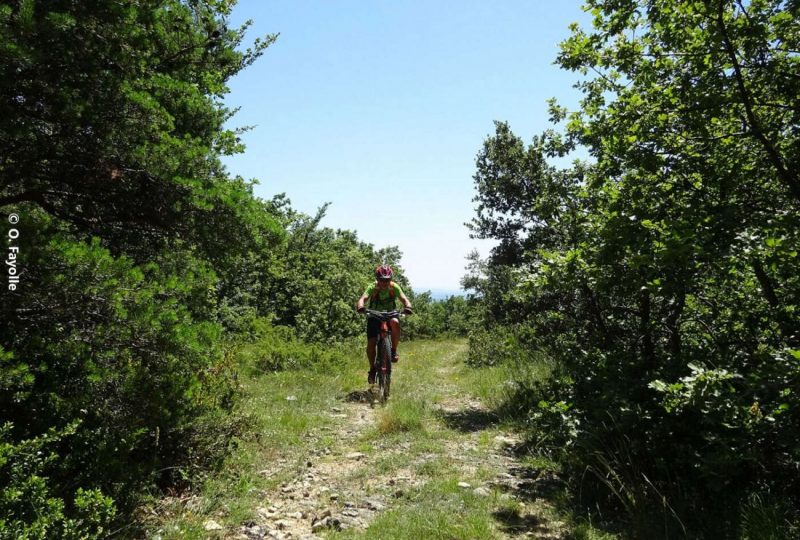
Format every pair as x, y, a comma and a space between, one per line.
439, 510
290, 415
286, 411
495, 385
402, 414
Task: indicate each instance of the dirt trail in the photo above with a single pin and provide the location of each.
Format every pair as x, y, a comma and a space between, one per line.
339, 487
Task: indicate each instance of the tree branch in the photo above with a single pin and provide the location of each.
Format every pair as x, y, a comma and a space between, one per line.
768, 289
790, 179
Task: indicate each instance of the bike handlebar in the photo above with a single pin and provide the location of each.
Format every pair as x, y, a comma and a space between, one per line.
382, 315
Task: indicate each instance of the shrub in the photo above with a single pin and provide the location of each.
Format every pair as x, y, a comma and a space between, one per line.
277, 348
499, 345
28, 506
124, 350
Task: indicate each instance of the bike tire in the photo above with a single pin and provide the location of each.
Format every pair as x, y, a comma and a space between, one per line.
385, 369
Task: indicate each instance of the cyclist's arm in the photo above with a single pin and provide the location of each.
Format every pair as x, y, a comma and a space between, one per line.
402, 296
360, 304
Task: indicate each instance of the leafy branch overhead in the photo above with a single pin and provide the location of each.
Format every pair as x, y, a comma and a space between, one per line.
112, 118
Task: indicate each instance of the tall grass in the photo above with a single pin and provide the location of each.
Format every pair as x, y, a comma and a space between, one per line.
609, 459
764, 518
401, 415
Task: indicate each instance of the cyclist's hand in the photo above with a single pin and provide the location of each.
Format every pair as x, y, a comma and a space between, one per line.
408, 311
362, 309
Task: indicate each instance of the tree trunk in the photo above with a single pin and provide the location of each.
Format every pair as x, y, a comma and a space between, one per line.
788, 329
673, 325
645, 331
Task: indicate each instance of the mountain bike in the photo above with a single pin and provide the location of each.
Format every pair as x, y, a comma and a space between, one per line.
383, 358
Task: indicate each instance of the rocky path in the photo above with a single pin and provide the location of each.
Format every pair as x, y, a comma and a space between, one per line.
361, 465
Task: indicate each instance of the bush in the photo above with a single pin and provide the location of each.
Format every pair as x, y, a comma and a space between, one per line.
451, 317
125, 350
499, 345
28, 507
277, 348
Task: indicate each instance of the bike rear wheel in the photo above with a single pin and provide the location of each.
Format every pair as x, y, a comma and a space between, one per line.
384, 368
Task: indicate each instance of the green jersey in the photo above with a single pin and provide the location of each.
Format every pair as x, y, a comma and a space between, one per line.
383, 299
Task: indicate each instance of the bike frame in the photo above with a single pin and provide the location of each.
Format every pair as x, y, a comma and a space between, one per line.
383, 347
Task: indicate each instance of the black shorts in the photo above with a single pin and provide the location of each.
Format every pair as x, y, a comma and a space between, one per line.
374, 328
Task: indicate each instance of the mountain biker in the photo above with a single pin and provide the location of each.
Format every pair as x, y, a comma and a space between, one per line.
382, 295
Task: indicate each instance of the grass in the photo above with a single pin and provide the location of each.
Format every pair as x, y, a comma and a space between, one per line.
287, 411
435, 468
439, 510
290, 415
404, 414
438, 507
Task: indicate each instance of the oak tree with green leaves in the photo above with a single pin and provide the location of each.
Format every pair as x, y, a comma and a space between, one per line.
661, 275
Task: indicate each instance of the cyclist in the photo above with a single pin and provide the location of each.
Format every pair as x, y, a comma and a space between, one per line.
383, 295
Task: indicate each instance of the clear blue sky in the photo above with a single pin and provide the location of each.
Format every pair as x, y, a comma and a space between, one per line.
379, 107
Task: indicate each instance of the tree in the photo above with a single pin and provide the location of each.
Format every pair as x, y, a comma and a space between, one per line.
662, 279
112, 130
112, 119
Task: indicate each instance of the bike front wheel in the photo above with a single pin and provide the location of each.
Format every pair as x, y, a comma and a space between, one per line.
384, 369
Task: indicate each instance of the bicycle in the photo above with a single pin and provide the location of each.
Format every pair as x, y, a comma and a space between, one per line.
383, 358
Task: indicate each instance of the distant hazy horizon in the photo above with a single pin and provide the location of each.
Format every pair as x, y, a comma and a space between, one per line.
441, 294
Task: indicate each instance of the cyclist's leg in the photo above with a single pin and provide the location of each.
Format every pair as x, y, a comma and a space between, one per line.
395, 326
373, 329
371, 351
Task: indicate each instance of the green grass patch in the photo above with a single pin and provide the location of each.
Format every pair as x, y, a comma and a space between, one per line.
498, 384
541, 463
290, 415
585, 531
286, 411
435, 467
401, 415
439, 510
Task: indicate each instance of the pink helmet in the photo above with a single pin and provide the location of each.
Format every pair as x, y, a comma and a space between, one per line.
384, 272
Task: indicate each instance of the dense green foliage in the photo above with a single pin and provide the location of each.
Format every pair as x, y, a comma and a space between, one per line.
312, 279
144, 266
26, 508
112, 129
278, 348
661, 276
453, 316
